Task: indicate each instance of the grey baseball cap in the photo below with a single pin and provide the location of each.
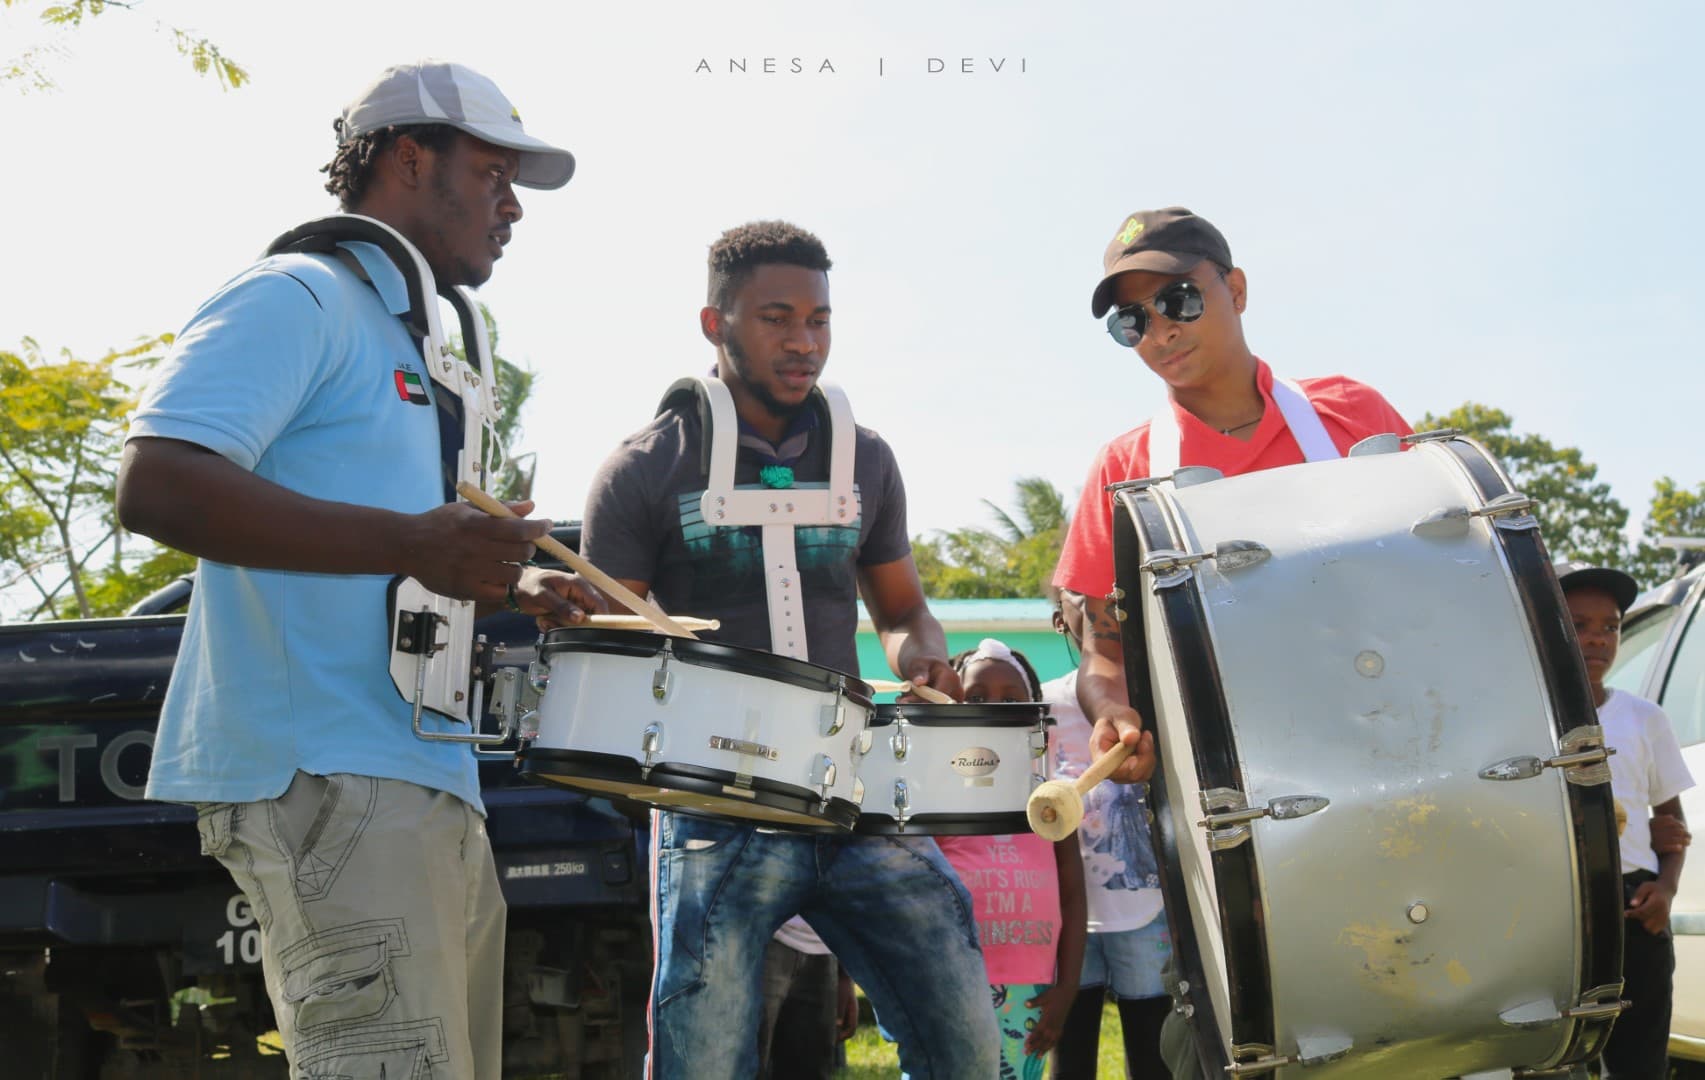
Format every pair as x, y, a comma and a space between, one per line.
1620, 586
439, 92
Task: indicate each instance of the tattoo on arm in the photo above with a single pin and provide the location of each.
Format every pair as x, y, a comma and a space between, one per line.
1103, 626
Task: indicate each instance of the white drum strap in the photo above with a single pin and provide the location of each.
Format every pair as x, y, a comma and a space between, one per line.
1303, 421
779, 510
1304, 424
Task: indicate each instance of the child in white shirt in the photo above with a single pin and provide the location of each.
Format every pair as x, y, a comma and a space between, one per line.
1647, 775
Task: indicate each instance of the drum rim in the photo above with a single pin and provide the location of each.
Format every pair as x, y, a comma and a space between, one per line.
1248, 976
623, 769
877, 823
1590, 806
1025, 714
717, 655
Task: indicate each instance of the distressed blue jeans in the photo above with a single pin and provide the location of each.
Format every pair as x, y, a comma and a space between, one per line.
891, 908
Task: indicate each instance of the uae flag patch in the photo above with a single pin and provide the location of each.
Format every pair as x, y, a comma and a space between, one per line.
410, 388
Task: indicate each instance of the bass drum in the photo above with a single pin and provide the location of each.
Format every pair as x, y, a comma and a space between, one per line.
700, 727
1383, 817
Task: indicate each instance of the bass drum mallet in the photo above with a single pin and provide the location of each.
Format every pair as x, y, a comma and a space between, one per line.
1055, 808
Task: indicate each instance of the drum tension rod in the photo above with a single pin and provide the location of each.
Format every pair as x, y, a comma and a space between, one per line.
1265, 1063
1227, 816
1171, 567
1511, 512
1584, 760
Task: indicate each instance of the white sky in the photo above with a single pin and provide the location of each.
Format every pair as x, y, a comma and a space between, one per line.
1449, 200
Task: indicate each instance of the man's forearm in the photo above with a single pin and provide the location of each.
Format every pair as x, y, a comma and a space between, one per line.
912, 641
200, 503
1101, 679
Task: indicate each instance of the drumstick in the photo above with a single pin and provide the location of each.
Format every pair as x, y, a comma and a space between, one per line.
640, 622
551, 546
928, 693
1055, 808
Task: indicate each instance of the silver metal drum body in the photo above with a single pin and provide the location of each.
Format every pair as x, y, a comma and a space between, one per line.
1413, 918
701, 727
963, 770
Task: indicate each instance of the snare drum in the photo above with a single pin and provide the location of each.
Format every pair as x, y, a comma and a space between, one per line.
700, 727
1360, 672
952, 770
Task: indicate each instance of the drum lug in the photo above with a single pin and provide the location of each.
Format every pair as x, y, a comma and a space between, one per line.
823, 773
900, 742
1039, 742
862, 743
1531, 1015
662, 680
1584, 760
1444, 523
834, 716
902, 803
858, 792
651, 743
538, 676
1260, 1059
1376, 444
1322, 1047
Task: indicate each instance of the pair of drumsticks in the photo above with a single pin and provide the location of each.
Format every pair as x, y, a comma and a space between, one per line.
645, 613
1055, 808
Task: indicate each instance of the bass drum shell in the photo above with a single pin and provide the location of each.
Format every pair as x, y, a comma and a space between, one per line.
1421, 922
737, 733
966, 770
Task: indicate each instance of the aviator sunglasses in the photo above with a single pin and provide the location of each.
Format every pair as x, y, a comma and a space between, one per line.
1180, 302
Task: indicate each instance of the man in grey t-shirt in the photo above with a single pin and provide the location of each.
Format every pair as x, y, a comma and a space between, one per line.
890, 908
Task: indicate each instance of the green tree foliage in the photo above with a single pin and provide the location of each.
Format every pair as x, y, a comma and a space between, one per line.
61, 429
1579, 518
1675, 511
1016, 559
29, 68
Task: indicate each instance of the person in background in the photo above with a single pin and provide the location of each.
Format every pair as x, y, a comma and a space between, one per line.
1647, 777
1128, 945
810, 1007
1026, 891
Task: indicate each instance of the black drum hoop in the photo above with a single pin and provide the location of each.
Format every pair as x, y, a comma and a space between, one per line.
1148, 527
1017, 714
708, 654
1591, 808
1003, 824
837, 816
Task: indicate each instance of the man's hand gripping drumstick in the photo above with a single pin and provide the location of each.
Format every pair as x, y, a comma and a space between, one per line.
607, 584
1101, 689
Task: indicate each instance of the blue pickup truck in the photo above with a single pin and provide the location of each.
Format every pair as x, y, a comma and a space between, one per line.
125, 953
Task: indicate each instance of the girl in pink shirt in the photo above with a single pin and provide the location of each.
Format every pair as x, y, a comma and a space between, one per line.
1027, 893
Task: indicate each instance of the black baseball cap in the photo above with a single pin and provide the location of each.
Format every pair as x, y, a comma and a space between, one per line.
1572, 574
1171, 240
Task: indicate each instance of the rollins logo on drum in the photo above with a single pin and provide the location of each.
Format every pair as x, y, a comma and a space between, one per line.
975, 761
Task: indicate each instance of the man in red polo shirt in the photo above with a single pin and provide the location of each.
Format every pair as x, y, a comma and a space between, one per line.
1170, 291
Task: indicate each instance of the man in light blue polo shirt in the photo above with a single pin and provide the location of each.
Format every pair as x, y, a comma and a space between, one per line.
291, 442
